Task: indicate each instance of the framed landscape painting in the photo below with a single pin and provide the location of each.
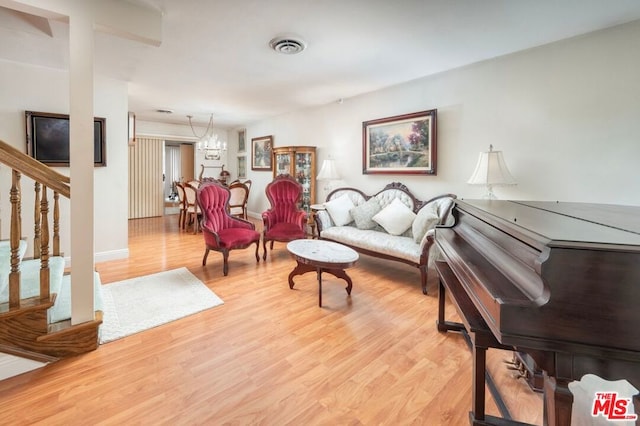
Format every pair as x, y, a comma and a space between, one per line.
403, 144
261, 149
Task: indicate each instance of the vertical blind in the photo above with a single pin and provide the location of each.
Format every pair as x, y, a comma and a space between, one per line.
145, 178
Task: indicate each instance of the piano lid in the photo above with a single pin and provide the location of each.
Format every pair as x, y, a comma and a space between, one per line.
557, 224
550, 276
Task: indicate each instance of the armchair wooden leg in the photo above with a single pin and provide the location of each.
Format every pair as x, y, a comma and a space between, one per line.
225, 267
264, 248
204, 259
257, 255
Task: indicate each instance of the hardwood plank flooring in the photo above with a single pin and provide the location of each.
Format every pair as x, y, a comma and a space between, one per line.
269, 355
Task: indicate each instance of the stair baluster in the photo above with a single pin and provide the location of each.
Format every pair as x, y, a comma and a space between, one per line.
36, 222
44, 246
14, 275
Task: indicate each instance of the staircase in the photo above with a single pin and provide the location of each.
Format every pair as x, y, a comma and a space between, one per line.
35, 291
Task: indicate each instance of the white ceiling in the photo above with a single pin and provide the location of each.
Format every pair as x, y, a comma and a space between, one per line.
215, 57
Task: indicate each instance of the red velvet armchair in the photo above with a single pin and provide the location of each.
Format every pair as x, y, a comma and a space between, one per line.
221, 231
284, 221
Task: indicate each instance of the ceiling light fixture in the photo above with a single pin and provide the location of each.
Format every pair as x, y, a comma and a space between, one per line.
209, 140
288, 44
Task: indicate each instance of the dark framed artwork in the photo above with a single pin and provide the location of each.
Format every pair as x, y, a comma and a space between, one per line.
261, 149
403, 144
48, 139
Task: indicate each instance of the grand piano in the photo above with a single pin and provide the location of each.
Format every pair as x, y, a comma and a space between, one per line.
557, 281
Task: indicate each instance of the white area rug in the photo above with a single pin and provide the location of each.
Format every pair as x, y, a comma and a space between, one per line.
11, 365
137, 304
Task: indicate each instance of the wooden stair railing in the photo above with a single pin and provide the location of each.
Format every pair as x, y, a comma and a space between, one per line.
29, 316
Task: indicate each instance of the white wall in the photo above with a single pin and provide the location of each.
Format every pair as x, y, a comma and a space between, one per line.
178, 132
25, 87
565, 115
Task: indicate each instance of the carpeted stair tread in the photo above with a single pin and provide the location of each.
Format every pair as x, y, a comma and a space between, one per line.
61, 311
5, 264
30, 278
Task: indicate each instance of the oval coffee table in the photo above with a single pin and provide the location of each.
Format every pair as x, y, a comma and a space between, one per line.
321, 256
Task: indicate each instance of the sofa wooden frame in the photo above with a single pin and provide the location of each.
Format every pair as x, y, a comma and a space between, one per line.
418, 204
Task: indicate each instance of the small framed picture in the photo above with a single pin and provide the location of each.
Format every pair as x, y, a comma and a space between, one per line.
242, 167
212, 154
132, 128
242, 145
261, 149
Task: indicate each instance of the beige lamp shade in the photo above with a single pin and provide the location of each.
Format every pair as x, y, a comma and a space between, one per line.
491, 170
328, 171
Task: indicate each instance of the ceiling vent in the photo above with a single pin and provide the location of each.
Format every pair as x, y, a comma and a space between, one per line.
288, 44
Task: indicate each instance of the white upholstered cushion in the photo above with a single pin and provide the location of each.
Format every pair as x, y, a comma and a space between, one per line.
339, 210
395, 218
363, 214
427, 218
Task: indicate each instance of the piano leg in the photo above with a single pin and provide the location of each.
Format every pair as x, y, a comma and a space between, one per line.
441, 323
558, 401
478, 391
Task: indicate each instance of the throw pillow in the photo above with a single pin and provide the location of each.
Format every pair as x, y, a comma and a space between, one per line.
427, 218
363, 214
395, 218
339, 208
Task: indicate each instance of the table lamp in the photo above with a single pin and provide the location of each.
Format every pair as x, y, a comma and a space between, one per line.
491, 170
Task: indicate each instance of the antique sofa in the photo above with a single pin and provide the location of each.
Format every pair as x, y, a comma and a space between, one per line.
391, 224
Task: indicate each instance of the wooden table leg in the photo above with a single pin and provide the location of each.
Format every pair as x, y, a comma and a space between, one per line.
303, 268
319, 273
340, 273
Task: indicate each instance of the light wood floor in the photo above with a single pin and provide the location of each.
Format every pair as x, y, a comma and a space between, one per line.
269, 355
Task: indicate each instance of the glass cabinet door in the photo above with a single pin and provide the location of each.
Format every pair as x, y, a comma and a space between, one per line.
300, 163
283, 163
303, 175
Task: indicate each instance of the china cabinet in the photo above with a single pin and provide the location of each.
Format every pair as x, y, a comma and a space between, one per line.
299, 162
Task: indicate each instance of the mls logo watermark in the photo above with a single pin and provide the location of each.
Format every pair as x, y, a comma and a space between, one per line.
612, 407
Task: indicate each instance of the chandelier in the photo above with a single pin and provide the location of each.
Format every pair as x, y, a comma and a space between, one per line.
208, 141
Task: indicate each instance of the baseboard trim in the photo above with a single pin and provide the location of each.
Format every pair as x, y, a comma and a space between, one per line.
105, 256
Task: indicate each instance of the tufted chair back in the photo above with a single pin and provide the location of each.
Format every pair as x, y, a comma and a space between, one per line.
213, 199
284, 221
284, 195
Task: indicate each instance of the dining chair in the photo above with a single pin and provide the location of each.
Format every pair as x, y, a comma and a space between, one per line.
182, 217
238, 200
192, 212
221, 231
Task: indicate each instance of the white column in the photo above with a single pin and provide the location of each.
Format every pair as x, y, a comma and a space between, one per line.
81, 36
